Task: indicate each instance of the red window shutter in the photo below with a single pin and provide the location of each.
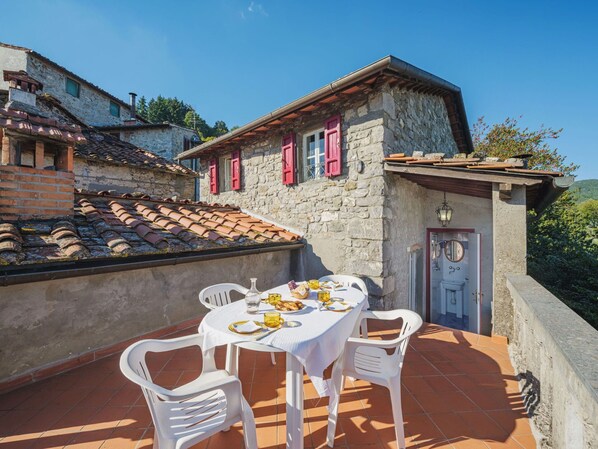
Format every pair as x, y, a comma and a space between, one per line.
289, 174
235, 170
332, 147
214, 176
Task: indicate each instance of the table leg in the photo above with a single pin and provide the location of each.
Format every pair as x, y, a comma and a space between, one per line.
294, 403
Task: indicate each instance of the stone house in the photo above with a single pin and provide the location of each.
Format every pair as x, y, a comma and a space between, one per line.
100, 160
360, 167
94, 106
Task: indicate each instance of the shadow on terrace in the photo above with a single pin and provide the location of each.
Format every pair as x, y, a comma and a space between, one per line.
459, 391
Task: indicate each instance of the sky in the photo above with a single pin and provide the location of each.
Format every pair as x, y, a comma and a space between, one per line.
236, 60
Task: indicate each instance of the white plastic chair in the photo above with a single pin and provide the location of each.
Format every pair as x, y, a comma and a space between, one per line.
192, 412
350, 281
218, 295
368, 360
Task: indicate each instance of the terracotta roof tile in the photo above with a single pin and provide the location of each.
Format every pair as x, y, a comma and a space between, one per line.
106, 226
105, 147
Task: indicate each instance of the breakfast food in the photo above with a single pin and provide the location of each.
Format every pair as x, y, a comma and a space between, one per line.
289, 306
299, 291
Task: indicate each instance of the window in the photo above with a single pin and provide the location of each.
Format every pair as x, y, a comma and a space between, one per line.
224, 173
114, 109
313, 155
72, 87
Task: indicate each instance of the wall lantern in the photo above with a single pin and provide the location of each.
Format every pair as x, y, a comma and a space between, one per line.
444, 213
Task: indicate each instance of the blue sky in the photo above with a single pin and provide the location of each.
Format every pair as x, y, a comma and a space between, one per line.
236, 60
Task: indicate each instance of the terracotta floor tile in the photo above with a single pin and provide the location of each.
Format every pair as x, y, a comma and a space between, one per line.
514, 422
526, 441
123, 438
448, 378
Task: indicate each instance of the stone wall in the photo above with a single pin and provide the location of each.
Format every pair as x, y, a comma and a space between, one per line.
96, 176
46, 322
92, 107
416, 122
555, 353
167, 142
344, 219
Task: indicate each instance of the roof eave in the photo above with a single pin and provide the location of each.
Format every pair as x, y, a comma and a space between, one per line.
390, 64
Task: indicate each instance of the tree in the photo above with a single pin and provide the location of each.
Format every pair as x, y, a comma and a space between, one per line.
142, 108
508, 139
175, 111
561, 254
171, 110
219, 128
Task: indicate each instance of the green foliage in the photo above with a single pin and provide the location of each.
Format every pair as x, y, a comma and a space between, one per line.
562, 251
177, 112
563, 257
508, 139
586, 189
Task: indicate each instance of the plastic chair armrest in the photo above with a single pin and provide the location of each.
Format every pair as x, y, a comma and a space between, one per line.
220, 384
384, 344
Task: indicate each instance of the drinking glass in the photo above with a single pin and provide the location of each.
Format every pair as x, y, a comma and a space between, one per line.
274, 298
272, 319
314, 284
324, 296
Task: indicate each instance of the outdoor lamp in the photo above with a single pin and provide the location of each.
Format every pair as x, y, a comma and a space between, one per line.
444, 213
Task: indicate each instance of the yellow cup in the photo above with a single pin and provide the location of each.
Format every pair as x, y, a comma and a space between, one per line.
324, 296
314, 284
272, 319
274, 298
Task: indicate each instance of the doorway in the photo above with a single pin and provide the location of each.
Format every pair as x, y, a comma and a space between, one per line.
453, 278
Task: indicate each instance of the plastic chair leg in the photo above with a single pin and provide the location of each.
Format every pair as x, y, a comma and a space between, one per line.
335, 396
397, 412
364, 329
249, 433
273, 357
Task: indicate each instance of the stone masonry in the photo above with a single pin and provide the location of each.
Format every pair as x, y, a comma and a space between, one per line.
98, 176
164, 141
345, 219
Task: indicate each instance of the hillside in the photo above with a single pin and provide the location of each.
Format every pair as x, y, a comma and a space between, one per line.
587, 189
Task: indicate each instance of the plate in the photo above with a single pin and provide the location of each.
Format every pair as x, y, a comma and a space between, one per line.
232, 328
334, 306
330, 285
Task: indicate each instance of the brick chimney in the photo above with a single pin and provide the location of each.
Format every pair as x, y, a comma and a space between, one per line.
36, 164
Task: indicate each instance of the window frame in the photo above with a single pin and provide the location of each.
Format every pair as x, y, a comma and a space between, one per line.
225, 178
75, 83
320, 153
117, 106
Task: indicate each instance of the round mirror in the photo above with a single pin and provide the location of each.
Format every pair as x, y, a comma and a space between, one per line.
454, 250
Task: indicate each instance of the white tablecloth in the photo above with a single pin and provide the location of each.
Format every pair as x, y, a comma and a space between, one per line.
316, 342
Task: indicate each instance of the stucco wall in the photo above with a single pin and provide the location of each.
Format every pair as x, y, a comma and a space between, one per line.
46, 322
343, 218
555, 353
92, 107
165, 142
476, 213
11, 59
96, 176
404, 220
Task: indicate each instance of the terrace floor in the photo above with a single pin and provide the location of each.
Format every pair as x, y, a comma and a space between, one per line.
459, 392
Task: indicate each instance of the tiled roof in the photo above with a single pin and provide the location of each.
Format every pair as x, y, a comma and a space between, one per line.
35, 125
513, 165
106, 226
107, 148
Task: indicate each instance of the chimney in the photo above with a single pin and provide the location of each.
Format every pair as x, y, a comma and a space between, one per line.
36, 156
133, 104
22, 89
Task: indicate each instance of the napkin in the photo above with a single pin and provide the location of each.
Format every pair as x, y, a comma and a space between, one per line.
338, 306
247, 327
